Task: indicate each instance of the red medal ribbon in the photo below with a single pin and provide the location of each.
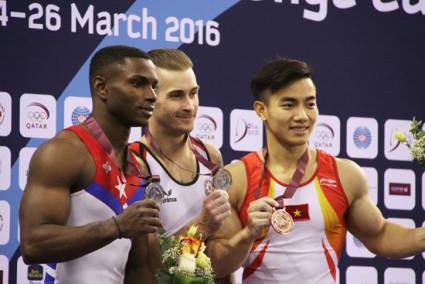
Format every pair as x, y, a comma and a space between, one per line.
295, 180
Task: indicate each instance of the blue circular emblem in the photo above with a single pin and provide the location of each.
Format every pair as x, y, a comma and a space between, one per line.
79, 115
362, 137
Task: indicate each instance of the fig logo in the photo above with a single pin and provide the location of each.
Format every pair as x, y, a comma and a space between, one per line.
79, 115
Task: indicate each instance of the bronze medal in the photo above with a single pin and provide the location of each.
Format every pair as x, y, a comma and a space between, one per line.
222, 179
282, 221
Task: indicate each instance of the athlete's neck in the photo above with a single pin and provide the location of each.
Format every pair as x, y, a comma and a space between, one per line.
284, 156
174, 145
116, 132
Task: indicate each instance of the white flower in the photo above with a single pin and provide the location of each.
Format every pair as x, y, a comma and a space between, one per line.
418, 149
187, 262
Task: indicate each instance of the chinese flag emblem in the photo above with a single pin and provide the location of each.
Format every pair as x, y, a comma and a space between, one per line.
298, 212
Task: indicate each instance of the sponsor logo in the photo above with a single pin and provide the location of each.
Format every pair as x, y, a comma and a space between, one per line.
37, 114
35, 272
324, 135
167, 196
244, 128
327, 182
206, 127
79, 115
2, 113
362, 137
394, 143
209, 125
1, 223
393, 275
393, 149
400, 188
4, 222
107, 167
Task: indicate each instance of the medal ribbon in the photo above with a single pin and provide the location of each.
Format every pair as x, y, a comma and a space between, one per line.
295, 180
106, 144
207, 163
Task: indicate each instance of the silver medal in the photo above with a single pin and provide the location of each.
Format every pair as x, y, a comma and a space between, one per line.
154, 191
222, 179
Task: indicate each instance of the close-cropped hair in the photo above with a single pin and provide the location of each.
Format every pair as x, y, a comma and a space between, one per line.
170, 59
112, 55
278, 74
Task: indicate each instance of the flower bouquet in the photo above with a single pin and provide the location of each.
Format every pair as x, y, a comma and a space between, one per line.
184, 260
417, 146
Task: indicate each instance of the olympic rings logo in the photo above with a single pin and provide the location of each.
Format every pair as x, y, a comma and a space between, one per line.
40, 113
205, 127
37, 116
324, 135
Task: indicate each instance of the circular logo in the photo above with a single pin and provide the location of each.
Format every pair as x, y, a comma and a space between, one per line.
362, 137
79, 115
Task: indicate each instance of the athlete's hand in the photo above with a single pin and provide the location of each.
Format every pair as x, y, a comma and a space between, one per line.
215, 209
259, 214
139, 218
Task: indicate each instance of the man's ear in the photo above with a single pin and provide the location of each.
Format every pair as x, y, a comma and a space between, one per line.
99, 87
260, 108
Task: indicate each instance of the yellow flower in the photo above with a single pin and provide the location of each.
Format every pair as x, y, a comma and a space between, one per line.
400, 136
203, 260
192, 230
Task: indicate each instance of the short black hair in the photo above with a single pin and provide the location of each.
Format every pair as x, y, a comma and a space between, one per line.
277, 74
113, 54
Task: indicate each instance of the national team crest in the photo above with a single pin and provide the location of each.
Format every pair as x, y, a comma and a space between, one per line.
208, 187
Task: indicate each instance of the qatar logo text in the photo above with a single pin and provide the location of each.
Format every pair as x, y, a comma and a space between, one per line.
324, 135
37, 114
206, 126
